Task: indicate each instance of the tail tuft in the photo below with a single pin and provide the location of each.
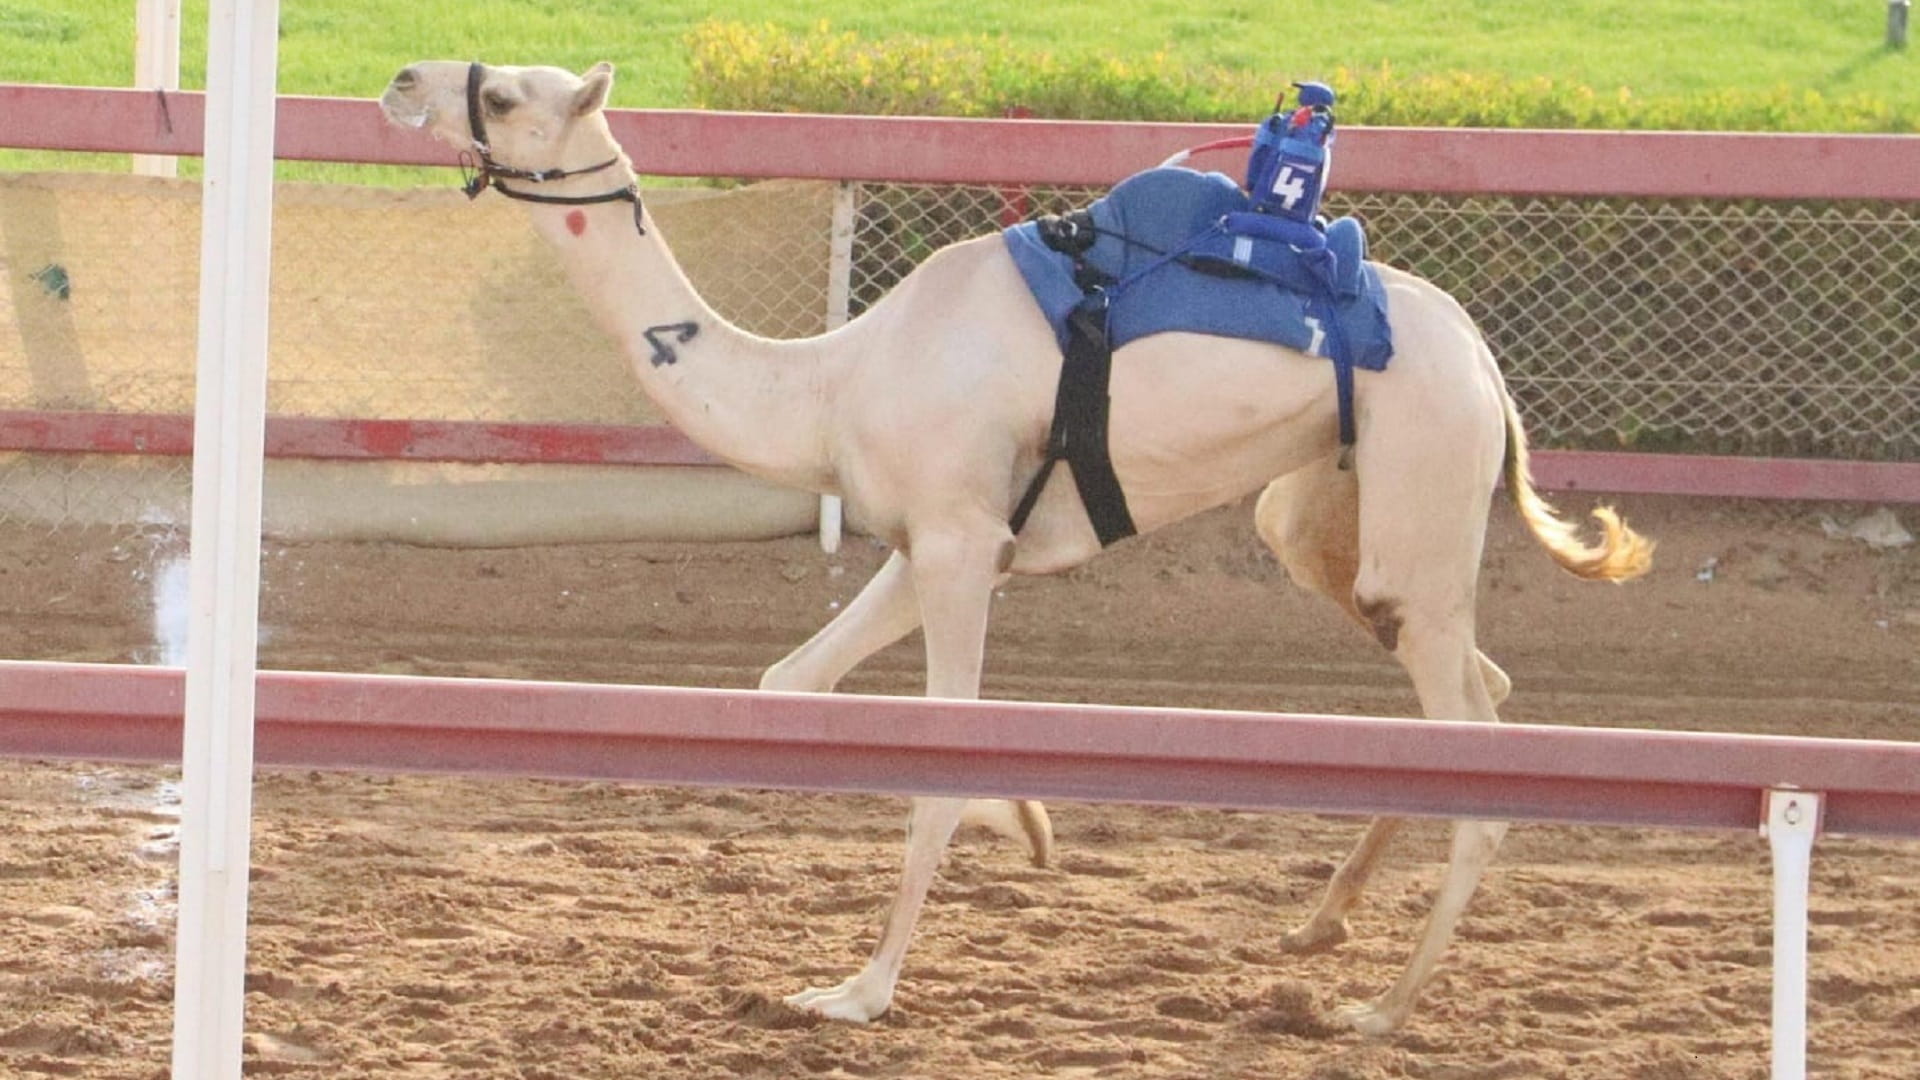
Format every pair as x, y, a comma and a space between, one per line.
1621, 554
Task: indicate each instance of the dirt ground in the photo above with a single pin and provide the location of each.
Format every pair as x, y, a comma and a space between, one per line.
414, 928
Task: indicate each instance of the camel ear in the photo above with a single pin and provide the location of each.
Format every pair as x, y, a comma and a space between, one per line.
593, 96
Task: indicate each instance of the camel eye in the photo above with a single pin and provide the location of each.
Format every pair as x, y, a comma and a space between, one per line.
498, 104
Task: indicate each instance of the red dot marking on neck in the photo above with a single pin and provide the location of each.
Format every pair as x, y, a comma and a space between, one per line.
576, 222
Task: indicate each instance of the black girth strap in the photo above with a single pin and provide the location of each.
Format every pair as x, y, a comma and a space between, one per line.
1079, 435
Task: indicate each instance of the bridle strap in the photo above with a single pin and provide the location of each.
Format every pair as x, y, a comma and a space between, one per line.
484, 172
630, 193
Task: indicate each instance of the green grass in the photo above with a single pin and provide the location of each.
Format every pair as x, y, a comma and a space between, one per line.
1651, 47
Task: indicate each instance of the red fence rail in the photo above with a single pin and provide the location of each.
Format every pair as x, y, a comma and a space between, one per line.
937, 150
838, 742
171, 435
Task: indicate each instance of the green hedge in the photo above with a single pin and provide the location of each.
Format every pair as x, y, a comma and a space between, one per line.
766, 68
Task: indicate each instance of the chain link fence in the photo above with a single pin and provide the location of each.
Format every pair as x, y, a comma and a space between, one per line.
1678, 325
1682, 325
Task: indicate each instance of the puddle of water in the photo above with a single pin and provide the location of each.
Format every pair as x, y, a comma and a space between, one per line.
163, 841
125, 965
167, 569
159, 557
155, 907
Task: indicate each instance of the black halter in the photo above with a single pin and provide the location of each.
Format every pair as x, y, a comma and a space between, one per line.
483, 171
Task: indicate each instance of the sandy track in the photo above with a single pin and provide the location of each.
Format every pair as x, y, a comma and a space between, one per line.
429, 927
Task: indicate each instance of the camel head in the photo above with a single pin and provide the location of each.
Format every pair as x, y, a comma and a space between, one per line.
514, 120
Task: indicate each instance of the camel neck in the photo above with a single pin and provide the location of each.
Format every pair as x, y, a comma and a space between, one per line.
753, 402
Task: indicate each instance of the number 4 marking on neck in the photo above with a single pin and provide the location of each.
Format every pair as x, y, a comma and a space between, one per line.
663, 352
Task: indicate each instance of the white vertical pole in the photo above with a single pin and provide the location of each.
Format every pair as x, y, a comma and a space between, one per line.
839, 309
156, 66
229, 429
1793, 819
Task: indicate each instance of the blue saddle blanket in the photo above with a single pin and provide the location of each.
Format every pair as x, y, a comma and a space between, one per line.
1179, 245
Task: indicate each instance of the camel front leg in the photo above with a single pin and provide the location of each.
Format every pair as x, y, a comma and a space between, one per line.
887, 610
866, 995
953, 575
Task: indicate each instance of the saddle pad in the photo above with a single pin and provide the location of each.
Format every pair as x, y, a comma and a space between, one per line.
1167, 211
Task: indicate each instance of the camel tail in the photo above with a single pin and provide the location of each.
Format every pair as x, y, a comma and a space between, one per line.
1621, 554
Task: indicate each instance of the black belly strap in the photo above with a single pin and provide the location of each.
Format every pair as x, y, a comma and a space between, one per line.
1079, 434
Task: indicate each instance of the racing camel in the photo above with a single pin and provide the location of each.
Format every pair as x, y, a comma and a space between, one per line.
930, 413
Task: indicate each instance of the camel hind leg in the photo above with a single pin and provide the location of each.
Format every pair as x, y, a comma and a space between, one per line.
1311, 520
887, 610
1431, 443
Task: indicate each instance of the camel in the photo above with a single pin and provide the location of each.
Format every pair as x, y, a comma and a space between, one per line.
930, 412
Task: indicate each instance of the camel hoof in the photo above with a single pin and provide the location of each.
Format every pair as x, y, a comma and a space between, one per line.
1018, 820
849, 1001
1314, 938
1372, 1020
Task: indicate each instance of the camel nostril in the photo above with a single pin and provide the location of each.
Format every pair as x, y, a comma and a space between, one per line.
406, 79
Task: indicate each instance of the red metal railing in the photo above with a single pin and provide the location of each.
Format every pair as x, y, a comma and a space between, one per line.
614, 444
838, 742
680, 142
171, 435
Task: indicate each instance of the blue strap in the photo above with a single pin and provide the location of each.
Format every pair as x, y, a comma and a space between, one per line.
1118, 288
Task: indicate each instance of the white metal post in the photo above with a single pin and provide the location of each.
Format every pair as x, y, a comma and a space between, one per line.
156, 66
839, 310
229, 430
1793, 820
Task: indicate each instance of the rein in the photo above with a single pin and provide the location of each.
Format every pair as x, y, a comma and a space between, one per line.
484, 172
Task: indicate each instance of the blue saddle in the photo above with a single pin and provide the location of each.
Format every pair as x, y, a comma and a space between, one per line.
1184, 251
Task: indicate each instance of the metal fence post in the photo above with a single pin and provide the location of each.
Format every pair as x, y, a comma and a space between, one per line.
839, 310
230, 408
1897, 12
156, 67
1792, 822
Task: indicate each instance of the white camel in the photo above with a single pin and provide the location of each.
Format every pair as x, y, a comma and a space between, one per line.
930, 413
